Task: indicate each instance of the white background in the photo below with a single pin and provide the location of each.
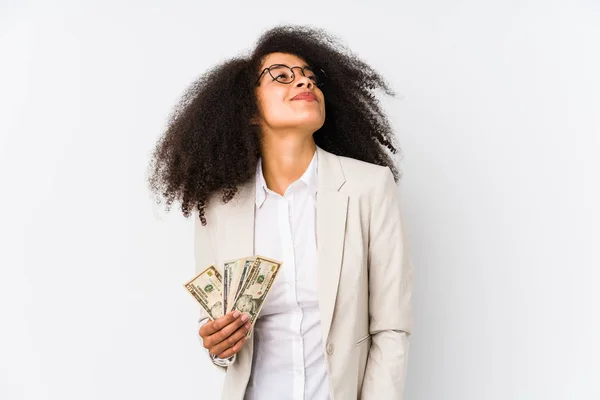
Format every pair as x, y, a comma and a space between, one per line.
498, 115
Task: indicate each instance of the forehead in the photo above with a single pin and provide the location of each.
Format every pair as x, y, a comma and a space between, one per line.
282, 58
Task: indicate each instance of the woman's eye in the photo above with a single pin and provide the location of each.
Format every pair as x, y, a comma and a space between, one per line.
282, 76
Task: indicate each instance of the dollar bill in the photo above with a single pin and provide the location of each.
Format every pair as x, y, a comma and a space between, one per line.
254, 290
244, 271
235, 273
229, 270
226, 284
206, 287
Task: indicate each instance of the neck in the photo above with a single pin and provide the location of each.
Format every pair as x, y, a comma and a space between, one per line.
284, 159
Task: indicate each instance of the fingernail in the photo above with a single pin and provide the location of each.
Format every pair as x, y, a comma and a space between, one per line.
248, 325
236, 314
244, 318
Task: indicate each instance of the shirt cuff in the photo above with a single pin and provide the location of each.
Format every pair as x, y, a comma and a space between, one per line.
221, 362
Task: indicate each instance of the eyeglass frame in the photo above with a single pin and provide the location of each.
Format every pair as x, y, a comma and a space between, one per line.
321, 83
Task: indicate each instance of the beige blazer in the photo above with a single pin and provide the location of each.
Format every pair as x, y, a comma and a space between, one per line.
364, 276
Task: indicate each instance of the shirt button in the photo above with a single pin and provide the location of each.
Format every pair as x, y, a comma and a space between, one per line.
330, 348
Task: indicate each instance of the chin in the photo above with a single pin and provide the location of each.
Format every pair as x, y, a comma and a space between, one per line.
313, 125
311, 119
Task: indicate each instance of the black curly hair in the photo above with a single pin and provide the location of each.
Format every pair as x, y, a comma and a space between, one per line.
210, 145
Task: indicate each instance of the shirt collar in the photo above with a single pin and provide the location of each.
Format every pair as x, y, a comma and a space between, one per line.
309, 177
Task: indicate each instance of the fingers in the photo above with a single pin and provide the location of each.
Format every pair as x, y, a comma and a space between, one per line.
232, 343
214, 326
223, 334
233, 350
228, 330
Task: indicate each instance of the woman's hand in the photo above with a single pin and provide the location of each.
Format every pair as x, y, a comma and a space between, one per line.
226, 335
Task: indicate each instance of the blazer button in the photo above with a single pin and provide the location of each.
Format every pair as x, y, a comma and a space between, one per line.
330, 348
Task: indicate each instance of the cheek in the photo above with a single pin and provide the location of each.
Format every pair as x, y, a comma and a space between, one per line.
271, 106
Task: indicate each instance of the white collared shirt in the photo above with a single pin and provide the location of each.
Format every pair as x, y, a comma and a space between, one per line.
289, 359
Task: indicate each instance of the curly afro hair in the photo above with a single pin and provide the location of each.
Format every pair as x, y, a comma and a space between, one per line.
210, 146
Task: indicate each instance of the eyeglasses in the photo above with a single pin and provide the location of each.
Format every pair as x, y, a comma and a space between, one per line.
284, 74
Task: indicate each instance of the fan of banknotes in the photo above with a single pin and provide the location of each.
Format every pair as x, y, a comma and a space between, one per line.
243, 287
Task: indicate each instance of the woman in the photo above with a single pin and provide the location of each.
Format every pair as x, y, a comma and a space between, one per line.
285, 154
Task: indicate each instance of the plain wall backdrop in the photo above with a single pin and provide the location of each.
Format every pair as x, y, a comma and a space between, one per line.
498, 116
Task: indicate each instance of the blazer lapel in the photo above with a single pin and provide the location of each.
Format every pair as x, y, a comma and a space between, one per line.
332, 207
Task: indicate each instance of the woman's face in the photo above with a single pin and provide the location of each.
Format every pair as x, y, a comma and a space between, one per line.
292, 107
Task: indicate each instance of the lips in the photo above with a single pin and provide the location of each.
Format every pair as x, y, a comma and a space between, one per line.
305, 96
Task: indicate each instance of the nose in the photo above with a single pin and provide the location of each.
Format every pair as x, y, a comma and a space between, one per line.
300, 80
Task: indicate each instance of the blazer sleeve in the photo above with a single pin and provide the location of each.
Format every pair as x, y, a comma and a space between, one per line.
390, 291
203, 257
